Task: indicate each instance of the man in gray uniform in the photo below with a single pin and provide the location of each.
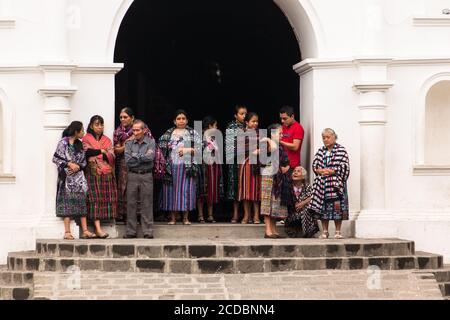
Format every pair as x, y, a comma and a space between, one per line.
139, 158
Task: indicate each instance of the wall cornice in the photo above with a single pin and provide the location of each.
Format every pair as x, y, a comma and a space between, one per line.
431, 21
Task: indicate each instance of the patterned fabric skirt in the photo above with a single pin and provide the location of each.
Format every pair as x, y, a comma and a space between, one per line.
101, 197
121, 174
209, 183
70, 204
270, 206
233, 182
181, 194
335, 209
301, 224
249, 183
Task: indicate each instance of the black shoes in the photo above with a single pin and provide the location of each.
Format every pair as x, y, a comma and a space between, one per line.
272, 236
148, 236
127, 236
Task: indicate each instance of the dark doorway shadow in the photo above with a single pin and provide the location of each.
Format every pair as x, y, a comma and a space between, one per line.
205, 56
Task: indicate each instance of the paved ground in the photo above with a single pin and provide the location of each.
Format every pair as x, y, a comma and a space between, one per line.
301, 285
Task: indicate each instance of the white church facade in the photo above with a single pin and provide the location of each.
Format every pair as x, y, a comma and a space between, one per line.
376, 71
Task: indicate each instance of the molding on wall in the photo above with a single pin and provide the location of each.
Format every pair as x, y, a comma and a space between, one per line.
92, 68
58, 91
7, 178
308, 65
431, 170
111, 68
7, 23
431, 21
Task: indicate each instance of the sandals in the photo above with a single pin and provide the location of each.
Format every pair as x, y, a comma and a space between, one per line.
172, 223
186, 222
324, 235
103, 235
88, 235
338, 235
201, 220
234, 221
256, 222
211, 219
244, 222
68, 236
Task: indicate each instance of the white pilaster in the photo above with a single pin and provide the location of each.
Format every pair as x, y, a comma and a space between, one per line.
373, 118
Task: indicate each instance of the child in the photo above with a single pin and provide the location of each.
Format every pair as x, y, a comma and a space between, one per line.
210, 178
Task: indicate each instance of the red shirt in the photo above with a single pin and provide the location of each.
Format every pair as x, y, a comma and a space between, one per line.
289, 134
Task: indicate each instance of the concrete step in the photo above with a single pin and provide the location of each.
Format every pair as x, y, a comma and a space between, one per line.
442, 275
203, 248
34, 262
16, 292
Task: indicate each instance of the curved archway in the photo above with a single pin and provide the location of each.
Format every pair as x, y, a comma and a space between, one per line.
299, 13
206, 57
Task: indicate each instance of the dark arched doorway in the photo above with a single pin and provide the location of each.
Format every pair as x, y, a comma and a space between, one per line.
205, 56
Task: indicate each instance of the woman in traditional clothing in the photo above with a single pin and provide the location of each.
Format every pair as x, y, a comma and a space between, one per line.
102, 193
275, 184
210, 183
330, 198
249, 170
121, 135
179, 145
72, 187
300, 222
232, 130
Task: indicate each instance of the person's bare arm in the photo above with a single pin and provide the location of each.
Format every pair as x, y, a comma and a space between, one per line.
295, 146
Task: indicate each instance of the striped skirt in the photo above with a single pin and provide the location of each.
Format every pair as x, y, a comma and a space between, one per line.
181, 194
249, 183
101, 197
69, 204
209, 182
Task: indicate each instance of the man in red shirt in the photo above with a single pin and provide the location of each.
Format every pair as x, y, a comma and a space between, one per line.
292, 135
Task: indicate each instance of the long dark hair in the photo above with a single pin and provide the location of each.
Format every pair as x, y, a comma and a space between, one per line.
128, 111
250, 115
72, 130
208, 121
178, 112
239, 107
94, 119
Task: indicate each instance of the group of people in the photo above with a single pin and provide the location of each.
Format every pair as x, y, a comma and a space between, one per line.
100, 179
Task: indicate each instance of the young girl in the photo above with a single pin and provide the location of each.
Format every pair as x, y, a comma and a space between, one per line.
231, 132
275, 184
210, 178
249, 175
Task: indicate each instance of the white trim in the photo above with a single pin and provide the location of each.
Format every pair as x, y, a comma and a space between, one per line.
431, 21
403, 215
308, 65
107, 68
7, 23
369, 86
58, 91
431, 170
8, 134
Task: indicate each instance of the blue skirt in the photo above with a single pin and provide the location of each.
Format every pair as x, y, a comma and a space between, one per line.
181, 194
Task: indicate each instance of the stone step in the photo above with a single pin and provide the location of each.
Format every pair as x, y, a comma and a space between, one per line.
445, 289
16, 292
442, 275
32, 262
16, 278
203, 231
160, 248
